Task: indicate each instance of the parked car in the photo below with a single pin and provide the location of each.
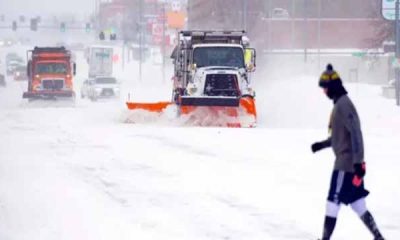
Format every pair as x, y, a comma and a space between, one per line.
12, 62
100, 87
2, 81
280, 13
20, 73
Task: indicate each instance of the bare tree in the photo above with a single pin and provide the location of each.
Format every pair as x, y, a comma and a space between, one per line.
383, 29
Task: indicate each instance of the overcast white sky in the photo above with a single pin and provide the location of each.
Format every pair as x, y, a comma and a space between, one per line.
46, 7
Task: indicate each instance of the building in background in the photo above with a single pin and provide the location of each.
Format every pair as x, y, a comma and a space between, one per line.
152, 22
288, 24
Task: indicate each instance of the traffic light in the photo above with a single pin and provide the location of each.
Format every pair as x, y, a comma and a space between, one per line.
34, 24
88, 27
113, 36
102, 35
14, 26
62, 27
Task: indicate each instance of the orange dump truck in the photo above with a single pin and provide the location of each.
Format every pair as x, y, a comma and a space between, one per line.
50, 73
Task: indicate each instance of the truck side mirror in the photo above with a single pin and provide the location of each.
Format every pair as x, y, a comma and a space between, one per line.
28, 69
250, 59
74, 67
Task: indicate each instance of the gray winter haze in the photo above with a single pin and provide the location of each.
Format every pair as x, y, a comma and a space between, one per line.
46, 7
199, 120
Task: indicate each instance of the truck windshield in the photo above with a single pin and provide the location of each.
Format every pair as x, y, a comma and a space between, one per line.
105, 80
51, 68
218, 56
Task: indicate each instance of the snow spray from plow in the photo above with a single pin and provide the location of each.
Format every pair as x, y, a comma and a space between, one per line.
243, 115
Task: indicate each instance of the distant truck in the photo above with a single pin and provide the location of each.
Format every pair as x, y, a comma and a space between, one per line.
100, 60
50, 73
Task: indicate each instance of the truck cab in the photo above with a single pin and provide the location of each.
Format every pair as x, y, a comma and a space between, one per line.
217, 70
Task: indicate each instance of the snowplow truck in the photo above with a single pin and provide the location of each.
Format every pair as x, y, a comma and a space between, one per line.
212, 79
50, 73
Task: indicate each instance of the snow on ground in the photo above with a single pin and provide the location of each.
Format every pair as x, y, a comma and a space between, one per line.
81, 173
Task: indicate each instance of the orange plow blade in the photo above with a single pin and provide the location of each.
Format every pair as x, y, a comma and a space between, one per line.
249, 104
242, 115
151, 107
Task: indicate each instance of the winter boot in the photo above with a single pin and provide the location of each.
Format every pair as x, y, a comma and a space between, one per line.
371, 225
329, 226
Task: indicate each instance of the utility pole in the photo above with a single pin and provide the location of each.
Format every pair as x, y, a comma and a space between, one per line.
319, 33
293, 16
140, 39
269, 33
244, 15
97, 15
163, 41
305, 30
397, 70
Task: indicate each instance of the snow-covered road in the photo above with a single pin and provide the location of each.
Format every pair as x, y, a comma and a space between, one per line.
81, 173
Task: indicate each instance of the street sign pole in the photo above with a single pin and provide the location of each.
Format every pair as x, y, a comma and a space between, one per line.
163, 42
397, 71
244, 20
140, 39
390, 11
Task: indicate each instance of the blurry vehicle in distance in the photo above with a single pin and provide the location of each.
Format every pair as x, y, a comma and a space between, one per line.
13, 60
100, 60
100, 87
20, 73
12, 65
9, 42
279, 13
2, 81
12, 55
